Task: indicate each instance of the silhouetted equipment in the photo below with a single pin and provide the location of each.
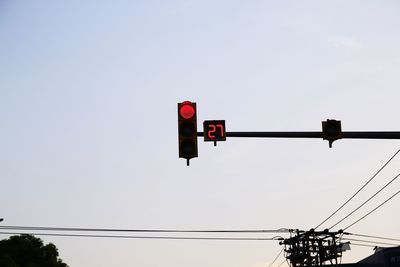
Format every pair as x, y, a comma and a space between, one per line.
313, 248
187, 130
383, 257
331, 131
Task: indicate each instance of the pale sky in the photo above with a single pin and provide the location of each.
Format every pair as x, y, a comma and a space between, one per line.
88, 122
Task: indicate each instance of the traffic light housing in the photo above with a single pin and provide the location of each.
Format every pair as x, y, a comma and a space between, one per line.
187, 130
331, 130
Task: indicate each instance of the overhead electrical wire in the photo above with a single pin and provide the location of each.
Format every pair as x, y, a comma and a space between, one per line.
370, 241
372, 210
282, 262
80, 229
377, 237
276, 258
362, 245
146, 237
359, 190
365, 202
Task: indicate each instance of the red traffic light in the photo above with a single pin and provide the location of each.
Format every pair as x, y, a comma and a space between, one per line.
187, 110
187, 130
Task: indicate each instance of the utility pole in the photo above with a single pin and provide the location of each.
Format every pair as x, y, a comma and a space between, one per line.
313, 248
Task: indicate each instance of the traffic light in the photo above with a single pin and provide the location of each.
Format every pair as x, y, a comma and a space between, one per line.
331, 130
187, 130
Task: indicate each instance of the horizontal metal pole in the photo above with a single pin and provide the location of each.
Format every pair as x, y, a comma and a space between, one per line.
352, 135
372, 135
276, 134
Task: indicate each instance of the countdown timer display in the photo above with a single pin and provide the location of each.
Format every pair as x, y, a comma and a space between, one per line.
214, 130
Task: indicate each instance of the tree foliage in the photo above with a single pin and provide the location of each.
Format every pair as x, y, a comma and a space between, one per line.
28, 251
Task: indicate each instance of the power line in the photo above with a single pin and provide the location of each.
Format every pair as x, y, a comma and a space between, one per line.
370, 241
144, 237
282, 262
358, 191
372, 210
362, 245
79, 229
276, 257
377, 237
365, 202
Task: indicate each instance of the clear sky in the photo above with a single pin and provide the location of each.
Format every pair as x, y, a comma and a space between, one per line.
88, 121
